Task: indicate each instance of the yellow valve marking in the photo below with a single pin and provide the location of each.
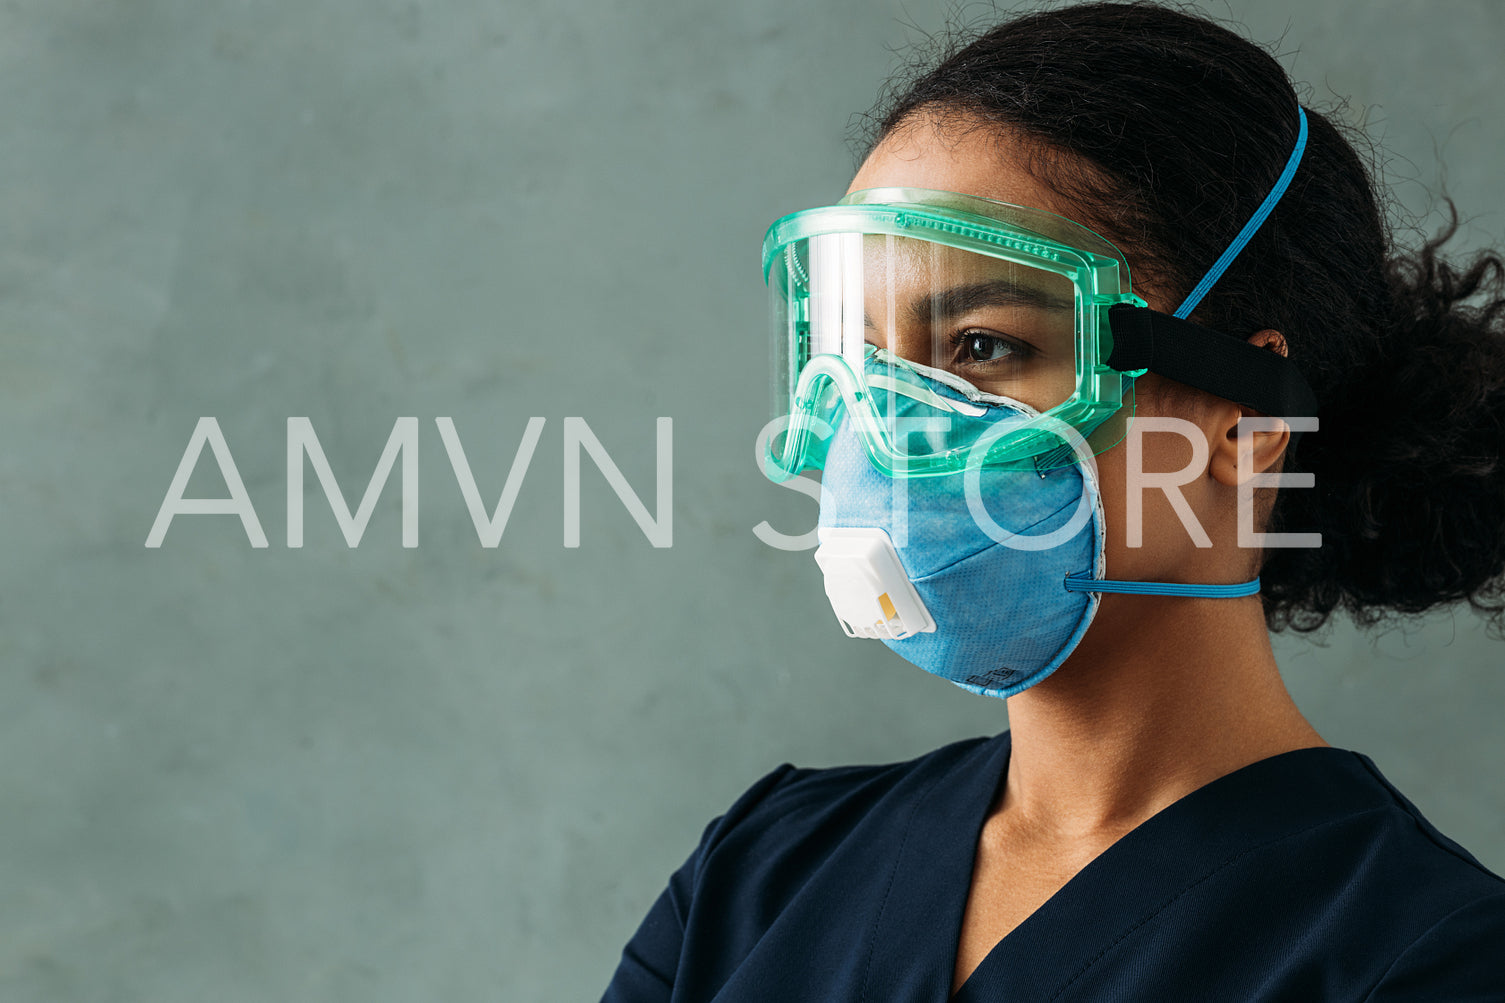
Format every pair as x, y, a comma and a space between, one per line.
889, 613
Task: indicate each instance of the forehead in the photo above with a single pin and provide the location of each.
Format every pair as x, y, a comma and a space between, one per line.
954, 154
907, 263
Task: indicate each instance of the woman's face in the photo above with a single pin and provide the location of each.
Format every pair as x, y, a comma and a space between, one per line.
960, 156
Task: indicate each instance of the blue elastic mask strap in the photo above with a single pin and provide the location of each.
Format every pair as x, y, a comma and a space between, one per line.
1250, 228
1082, 582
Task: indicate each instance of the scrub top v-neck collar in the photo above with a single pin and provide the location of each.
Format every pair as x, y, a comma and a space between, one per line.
1122, 889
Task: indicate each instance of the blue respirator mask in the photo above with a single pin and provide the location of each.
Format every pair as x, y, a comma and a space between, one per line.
952, 364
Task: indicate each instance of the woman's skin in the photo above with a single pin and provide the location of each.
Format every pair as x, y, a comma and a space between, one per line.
1164, 694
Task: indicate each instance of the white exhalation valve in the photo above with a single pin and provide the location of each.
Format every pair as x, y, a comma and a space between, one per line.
867, 586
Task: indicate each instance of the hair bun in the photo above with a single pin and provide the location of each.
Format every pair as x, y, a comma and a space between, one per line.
1409, 460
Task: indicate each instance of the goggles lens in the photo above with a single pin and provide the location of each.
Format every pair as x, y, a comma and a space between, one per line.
1005, 328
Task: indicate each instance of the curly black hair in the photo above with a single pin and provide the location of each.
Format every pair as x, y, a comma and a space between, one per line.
1186, 126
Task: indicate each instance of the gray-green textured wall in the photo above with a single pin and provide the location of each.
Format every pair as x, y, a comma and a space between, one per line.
451, 772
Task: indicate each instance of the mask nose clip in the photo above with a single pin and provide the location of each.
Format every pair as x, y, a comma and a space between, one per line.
868, 588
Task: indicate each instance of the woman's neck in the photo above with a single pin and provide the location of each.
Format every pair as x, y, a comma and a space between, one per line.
1163, 696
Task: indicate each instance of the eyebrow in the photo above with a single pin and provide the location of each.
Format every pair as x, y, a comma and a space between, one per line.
960, 300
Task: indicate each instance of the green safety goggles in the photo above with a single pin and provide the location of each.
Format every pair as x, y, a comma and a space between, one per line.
919, 315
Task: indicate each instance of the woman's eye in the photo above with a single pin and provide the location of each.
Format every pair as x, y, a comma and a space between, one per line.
986, 348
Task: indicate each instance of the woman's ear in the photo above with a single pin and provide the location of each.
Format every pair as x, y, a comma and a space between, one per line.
1273, 340
1264, 447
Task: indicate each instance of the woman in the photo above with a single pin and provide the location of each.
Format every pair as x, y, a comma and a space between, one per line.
1160, 822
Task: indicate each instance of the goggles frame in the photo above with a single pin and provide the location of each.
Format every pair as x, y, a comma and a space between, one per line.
1099, 279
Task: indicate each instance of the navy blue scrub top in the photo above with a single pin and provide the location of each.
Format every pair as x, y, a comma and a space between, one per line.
1303, 877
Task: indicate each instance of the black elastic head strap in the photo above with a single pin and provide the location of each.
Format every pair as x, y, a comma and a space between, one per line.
1220, 364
